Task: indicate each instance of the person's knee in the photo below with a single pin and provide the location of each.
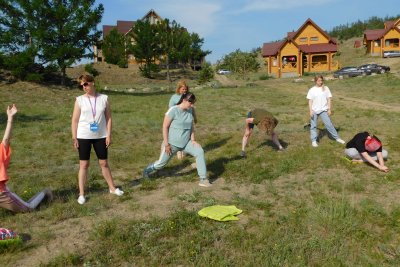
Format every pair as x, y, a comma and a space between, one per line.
103, 163
352, 153
385, 154
84, 164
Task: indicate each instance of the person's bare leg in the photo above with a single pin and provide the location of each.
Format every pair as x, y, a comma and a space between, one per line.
82, 176
246, 137
106, 171
275, 139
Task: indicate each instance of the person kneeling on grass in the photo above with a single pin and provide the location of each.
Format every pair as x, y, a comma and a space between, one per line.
8, 199
265, 122
367, 148
178, 135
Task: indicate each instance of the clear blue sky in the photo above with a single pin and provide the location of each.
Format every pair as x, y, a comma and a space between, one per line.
227, 25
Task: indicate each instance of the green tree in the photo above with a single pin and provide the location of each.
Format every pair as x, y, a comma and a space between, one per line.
197, 55
114, 47
145, 47
61, 31
240, 62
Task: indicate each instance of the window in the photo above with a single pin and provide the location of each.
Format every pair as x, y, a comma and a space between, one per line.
314, 38
392, 42
377, 43
320, 59
303, 39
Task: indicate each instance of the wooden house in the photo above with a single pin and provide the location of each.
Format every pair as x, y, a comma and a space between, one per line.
309, 49
381, 40
123, 27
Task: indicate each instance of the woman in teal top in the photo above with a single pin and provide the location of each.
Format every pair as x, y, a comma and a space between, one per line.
178, 135
181, 88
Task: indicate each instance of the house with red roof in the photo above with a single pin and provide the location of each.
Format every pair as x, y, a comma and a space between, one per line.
123, 27
381, 40
309, 49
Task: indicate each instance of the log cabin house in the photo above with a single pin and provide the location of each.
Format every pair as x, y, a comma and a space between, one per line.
380, 40
309, 49
123, 27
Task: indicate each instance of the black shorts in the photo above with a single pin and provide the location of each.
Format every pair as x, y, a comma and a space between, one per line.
251, 125
99, 145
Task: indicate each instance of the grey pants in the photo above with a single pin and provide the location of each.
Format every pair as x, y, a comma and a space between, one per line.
195, 151
328, 124
354, 154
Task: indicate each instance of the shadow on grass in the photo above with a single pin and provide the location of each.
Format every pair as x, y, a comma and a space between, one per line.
215, 145
217, 167
26, 118
64, 195
271, 144
322, 132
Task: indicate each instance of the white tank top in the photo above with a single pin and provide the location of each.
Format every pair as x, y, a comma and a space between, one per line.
92, 110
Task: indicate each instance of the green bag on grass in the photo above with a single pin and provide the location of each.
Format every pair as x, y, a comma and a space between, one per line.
220, 213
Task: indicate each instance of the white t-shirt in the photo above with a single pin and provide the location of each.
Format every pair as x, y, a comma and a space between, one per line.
319, 98
90, 106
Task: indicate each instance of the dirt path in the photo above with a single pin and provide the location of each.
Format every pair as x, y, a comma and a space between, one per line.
224, 80
368, 104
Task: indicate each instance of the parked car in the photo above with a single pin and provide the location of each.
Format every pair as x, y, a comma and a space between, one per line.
391, 54
224, 71
375, 68
350, 72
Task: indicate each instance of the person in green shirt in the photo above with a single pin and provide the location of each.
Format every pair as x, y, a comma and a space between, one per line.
265, 121
178, 135
181, 88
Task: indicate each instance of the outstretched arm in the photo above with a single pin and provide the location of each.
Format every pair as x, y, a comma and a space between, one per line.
374, 163
11, 111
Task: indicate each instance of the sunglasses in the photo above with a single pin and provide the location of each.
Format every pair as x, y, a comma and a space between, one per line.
85, 84
191, 101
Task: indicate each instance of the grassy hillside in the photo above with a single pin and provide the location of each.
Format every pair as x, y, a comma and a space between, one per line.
302, 207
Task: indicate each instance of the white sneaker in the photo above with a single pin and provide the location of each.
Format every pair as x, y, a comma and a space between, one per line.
314, 143
340, 141
205, 183
81, 200
117, 192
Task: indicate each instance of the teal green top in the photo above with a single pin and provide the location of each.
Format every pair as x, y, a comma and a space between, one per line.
174, 100
181, 126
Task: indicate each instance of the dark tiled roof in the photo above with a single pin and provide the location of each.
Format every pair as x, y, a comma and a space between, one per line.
107, 29
124, 26
290, 35
374, 34
318, 48
271, 49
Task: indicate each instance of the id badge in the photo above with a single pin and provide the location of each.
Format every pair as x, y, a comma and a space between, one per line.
94, 127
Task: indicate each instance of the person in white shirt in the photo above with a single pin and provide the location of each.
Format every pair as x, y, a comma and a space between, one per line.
320, 105
91, 126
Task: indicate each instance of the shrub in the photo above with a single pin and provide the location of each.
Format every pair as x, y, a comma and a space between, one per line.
89, 68
34, 77
265, 77
123, 63
206, 73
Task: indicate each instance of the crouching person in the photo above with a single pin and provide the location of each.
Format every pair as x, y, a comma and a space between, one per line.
367, 148
8, 199
178, 135
266, 122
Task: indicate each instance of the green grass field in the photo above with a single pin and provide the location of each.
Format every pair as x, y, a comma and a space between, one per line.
302, 207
